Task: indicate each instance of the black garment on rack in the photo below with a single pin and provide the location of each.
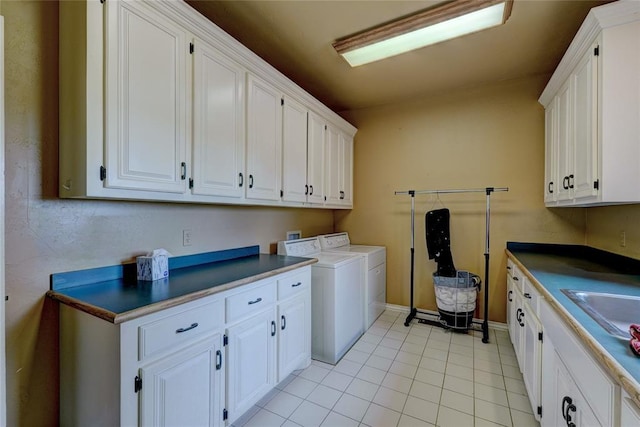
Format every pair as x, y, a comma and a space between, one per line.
439, 241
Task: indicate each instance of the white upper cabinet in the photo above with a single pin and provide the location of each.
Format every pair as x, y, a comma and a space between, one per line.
315, 158
339, 169
158, 103
294, 152
593, 107
218, 123
147, 75
264, 140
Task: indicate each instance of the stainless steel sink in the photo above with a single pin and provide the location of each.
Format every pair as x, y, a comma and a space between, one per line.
612, 311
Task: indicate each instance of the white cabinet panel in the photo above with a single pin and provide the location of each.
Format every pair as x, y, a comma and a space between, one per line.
251, 362
315, 158
218, 123
339, 167
294, 334
183, 389
294, 152
264, 140
147, 79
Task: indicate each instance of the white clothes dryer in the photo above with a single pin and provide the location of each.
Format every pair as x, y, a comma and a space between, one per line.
336, 298
374, 271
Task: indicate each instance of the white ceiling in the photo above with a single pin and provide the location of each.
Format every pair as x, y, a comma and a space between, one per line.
295, 37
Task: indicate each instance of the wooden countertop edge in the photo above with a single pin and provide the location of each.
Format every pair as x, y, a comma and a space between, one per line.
117, 318
616, 371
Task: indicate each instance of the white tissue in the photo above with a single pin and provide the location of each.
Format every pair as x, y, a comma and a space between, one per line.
153, 266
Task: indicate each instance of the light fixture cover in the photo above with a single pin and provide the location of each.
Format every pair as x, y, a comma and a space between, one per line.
425, 28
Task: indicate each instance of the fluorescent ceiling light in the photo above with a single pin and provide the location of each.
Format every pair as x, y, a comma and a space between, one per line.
453, 19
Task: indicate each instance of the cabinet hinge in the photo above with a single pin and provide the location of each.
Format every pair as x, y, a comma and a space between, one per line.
281, 101
137, 384
225, 340
190, 182
225, 414
540, 410
540, 336
192, 48
596, 184
596, 51
103, 173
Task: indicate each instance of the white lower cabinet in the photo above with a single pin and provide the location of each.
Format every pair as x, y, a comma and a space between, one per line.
251, 362
184, 388
629, 412
573, 385
203, 363
525, 331
294, 314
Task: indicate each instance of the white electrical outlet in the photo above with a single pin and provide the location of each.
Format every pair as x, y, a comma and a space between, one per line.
623, 239
186, 237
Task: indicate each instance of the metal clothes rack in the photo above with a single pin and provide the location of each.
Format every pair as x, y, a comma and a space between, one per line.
487, 190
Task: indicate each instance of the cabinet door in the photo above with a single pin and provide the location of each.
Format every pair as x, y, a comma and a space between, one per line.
346, 170
315, 158
565, 143
585, 117
518, 327
251, 362
146, 98
532, 358
333, 166
264, 140
570, 407
294, 152
294, 334
551, 183
184, 388
218, 123
510, 306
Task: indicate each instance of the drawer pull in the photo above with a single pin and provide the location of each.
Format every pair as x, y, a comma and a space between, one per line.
218, 360
283, 322
508, 267
509, 296
295, 285
273, 328
188, 328
527, 295
255, 301
515, 278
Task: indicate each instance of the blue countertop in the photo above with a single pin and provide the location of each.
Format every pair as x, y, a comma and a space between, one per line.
557, 267
114, 293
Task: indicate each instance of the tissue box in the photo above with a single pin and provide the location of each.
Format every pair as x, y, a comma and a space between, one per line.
153, 267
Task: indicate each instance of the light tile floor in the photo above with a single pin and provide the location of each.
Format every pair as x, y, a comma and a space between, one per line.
397, 376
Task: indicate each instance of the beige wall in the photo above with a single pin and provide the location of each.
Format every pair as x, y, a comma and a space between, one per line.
604, 225
46, 235
491, 136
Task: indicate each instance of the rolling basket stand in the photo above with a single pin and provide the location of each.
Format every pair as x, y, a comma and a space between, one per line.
413, 314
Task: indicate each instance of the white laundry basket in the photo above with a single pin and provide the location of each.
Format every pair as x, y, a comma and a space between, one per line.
456, 298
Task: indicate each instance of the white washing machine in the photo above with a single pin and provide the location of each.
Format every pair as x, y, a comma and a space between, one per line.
336, 298
374, 271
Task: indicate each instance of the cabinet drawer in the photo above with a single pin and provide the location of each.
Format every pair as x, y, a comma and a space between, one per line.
250, 301
598, 390
171, 332
291, 285
531, 296
516, 276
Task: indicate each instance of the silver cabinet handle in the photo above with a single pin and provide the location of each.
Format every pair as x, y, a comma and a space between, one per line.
188, 328
255, 301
